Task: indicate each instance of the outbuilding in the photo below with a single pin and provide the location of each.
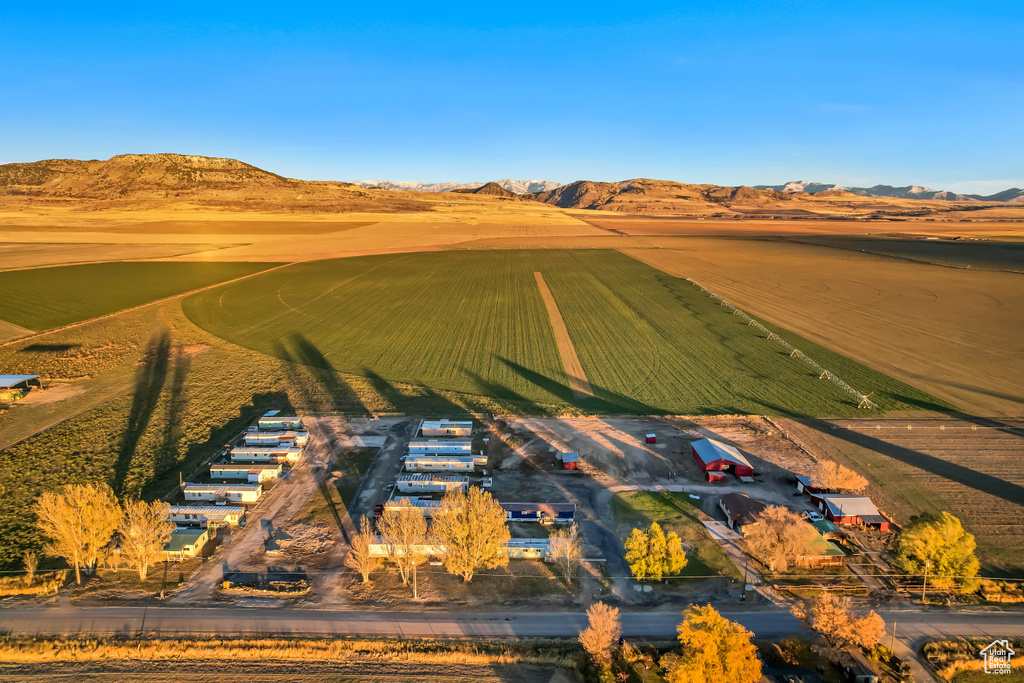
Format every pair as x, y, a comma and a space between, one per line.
207, 516
185, 543
570, 461
850, 509
447, 427
14, 387
545, 513
715, 477
741, 511
651, 438
805, 485
715, 456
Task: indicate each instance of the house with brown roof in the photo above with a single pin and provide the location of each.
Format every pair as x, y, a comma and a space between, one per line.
740, 510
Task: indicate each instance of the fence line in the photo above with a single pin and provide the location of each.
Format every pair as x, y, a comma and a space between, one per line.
863, 400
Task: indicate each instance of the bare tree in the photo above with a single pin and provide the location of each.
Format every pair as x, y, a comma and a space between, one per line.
359, 558
779, 537
835, 477
145, 529
470, 526
832, 616
31, 563
403, 530
601, 636
79, 521
566, 548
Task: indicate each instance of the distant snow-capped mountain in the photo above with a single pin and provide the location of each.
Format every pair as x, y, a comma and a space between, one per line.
517, 186
905, 192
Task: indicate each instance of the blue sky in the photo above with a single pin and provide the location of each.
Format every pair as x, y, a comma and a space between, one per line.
857, 93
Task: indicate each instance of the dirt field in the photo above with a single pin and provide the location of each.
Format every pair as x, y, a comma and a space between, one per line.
574, 372
954, 332
972, 469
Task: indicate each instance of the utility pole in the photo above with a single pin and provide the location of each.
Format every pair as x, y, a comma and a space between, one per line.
924, 588
415, 592
892, 641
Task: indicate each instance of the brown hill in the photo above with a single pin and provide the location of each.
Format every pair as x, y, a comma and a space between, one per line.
160, 180
491, 188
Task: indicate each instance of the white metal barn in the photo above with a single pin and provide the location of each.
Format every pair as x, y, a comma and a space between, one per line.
273, 421
441, 447
447, 427
252, 472
283, 438
430, 483
210, 516
440, 463
282, 454
247, 494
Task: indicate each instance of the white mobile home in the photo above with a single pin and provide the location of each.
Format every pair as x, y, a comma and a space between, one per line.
207, 516
440, 463
430, 483
185, 543
284, 438
273, 421
517, 548
441, 447
252, 472
428, 505
281, 454
247, 494
447, 428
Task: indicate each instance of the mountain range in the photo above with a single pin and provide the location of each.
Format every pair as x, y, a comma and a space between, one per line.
516, 186
1014, 194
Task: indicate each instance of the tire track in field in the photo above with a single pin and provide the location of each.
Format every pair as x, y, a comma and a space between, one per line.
578, 381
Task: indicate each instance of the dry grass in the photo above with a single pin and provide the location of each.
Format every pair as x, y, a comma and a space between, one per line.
951, 657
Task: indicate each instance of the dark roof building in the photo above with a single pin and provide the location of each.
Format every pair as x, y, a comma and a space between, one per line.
740, 510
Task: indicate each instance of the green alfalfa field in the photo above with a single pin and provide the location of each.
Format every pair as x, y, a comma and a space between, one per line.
475, 323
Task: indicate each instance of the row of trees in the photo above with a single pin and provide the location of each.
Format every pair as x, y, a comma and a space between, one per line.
468, 529
80, 522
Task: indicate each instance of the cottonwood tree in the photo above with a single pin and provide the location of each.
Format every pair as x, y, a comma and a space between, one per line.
652, 554
835, 477
359, 558
79, 520
779, 537
713, 650
942, 542
566, 549
145, 529
602, 634
31, 563
470, 526
403, 530
831, 616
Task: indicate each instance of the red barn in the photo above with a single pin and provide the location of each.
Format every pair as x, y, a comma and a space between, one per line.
652, 438
714, 456
570, 461
849, 508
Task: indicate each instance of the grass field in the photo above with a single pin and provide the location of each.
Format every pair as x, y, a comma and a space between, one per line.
43, 298
475, 322
675, 512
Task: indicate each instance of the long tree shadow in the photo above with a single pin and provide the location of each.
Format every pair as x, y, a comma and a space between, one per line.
176, 403
340, 396
149, 382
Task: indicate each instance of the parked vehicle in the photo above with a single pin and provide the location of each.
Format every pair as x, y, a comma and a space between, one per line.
813, 516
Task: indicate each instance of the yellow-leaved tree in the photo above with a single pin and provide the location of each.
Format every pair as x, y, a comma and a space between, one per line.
359, 558
145, 529
832, 476
79, 520
832, 616
713, 650
943, 543
601, 636
652, 554
470, 526
779, 538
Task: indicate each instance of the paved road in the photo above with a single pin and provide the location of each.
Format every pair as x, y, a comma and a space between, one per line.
913, 626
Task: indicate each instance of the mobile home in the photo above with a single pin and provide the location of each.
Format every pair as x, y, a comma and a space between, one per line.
207, 516
428, 505
247, 494
273, 421
253, 472
447, 427
284, 438
185, 543
443, 463
441, 447
430, 483
280, 454
545, 513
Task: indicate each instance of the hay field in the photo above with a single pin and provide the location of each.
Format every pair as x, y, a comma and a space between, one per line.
15, 254
955, 333
475, 322
971, 469
43, 298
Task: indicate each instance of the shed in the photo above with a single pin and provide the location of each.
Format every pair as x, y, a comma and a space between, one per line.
652, 438
850, 508
805, 485
185, 543
711, 455
545, 513
14, 387
715, 477
570, 460
740, 510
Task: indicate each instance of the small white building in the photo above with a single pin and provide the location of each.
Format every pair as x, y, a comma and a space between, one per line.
441, 447
207, 516
440, 463
430, 483
447, 427
427, 504
273, 421
284, 438
252, 472
517, 548
281, 454
246, 494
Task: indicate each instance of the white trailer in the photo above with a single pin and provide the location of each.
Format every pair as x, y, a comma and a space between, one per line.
281, 454
283, 438
441, 447
246, 494
430, 483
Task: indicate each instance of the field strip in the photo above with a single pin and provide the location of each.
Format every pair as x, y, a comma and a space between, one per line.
578, 381
140, 306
